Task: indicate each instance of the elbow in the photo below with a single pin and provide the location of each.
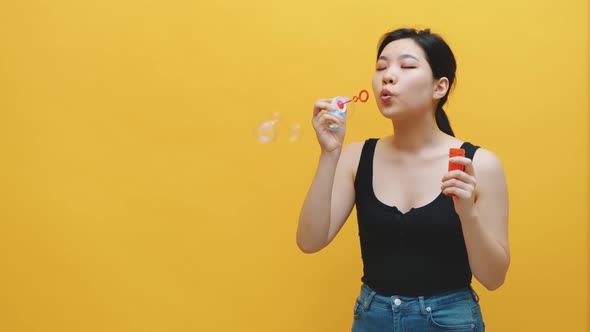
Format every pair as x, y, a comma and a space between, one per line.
492, 285
308, 248
309, 242
495, 279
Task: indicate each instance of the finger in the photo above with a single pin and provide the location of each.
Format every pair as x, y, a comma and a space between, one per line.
320, 113
469, 169
323, 104
457, 192
320, 107
454, 183
318, 118
327, 114
327, 118
328, 123
458, 174
466, 162
461, 179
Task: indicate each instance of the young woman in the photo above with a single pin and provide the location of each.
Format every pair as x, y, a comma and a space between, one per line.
424, 231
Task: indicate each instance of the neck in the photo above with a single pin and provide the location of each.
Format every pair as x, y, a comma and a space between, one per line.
416, 133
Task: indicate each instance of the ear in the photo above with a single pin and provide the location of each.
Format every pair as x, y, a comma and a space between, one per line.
441, 86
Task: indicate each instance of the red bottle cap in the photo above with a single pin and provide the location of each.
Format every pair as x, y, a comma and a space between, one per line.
454, 152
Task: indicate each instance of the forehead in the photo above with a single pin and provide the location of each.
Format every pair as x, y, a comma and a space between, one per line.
402, 46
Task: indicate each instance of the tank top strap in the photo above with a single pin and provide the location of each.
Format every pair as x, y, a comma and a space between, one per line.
469, 149
364, 173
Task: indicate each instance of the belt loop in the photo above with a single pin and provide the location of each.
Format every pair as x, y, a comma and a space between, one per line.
474, 294
367, 300
422, 305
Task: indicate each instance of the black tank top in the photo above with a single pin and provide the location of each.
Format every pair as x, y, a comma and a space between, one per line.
418, 253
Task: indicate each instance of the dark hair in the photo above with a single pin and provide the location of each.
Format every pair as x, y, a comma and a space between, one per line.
441, 60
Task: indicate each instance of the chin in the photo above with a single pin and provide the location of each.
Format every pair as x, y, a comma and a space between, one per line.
391, 112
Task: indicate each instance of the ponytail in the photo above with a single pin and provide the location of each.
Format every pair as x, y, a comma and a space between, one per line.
442, 121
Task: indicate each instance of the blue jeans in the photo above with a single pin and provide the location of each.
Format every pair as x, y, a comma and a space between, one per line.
451, 311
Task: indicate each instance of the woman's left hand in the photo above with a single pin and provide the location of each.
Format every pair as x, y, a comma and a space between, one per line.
461, 185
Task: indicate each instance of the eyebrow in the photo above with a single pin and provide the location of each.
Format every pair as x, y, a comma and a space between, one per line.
402, 56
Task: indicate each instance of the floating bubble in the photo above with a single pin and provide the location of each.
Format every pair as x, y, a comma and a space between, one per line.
266, 132
295, 133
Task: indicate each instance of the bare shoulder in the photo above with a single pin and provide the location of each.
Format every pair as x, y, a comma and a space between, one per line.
487, 162
353, 149
489, 172
351, 154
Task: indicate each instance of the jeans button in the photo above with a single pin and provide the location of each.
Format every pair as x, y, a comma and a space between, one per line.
397, 301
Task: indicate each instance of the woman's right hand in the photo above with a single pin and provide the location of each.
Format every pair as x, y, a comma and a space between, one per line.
330, 139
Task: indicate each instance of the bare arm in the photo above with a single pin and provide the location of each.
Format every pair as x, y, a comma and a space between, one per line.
330, 199
483, 210
331, 195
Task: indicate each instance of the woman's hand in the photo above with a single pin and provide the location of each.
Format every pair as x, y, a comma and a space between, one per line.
461, 185
330, 139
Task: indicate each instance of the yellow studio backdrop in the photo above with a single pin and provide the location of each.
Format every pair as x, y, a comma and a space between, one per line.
135, 196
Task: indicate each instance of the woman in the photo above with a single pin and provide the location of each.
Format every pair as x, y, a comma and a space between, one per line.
424, 230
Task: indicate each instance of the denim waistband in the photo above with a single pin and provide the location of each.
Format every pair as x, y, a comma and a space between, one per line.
369, 297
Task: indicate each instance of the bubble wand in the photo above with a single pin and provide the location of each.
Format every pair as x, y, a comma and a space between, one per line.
340, 108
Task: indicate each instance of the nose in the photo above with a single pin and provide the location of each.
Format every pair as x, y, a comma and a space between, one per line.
389, 77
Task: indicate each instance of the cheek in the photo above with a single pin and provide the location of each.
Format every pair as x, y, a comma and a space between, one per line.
418, 78
418, 87
376, 79
376, 84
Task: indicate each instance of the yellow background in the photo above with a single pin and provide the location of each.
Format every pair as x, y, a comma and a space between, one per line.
134, 196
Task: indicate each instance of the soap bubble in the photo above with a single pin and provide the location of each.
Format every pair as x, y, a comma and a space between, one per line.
267, 131
295, 133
